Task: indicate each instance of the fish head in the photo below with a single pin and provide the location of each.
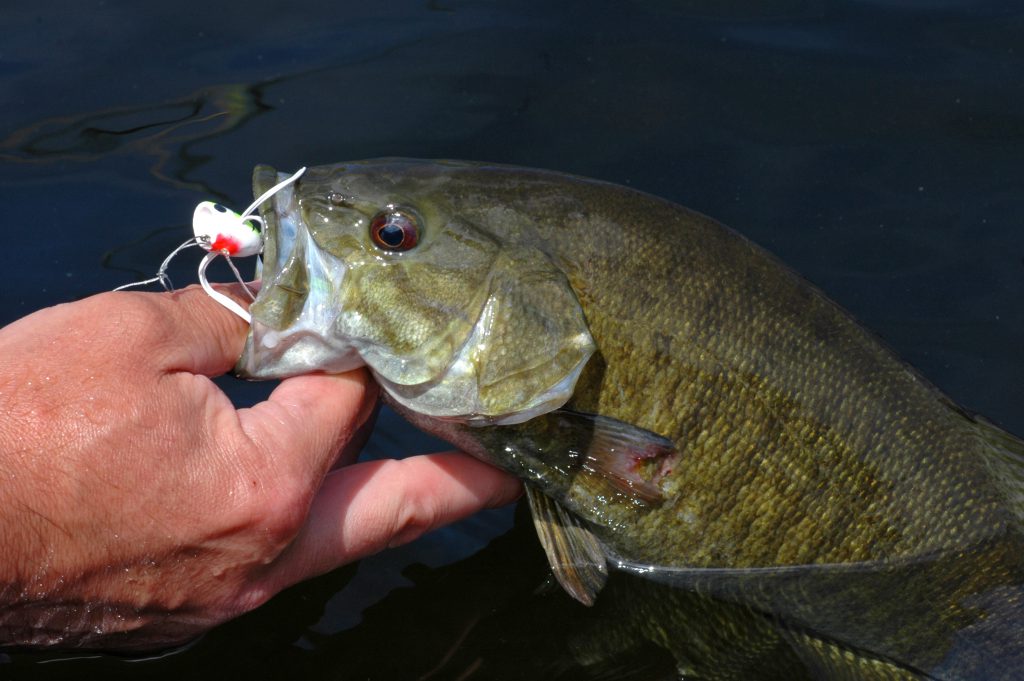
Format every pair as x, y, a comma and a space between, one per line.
408, 267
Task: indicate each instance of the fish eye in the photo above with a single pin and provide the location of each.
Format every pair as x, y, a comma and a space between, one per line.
394, 230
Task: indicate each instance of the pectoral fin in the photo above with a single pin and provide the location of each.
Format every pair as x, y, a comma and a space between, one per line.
620, 457
576, 556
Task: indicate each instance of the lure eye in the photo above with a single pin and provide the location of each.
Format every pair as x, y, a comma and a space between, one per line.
394, 230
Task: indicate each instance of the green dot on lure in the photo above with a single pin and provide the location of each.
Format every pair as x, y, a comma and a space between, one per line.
222, 232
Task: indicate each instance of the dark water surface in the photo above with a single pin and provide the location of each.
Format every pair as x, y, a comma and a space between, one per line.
877, 147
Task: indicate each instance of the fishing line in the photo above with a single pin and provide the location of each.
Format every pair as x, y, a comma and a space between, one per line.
161, 274
222, 232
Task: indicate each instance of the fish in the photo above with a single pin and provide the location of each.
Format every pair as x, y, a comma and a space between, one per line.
680, 405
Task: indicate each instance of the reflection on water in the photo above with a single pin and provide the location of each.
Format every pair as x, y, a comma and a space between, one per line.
165, 133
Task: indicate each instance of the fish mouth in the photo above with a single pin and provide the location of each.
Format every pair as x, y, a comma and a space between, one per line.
292, 314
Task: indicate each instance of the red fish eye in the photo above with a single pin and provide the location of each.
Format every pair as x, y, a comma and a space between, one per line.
393, 230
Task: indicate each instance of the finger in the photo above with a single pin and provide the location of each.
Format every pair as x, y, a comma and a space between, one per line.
207, 338
181, 331
306, 421
370, 506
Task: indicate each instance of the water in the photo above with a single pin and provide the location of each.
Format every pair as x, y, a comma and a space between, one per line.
874, 146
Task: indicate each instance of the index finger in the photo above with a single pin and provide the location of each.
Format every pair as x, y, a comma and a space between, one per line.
369, 506
185, 330
211, 336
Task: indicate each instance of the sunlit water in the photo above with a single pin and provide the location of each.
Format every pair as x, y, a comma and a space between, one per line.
876, 147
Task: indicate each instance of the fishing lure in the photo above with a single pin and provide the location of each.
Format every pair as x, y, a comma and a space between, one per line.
222, 232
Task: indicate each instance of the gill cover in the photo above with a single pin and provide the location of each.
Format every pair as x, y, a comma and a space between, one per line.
468, 325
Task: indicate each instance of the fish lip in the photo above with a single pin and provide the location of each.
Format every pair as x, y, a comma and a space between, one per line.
263, 178
277, 348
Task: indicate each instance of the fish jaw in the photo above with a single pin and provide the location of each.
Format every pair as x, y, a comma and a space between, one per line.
293, 310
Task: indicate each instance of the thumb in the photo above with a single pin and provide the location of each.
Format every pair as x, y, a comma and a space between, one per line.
305, 422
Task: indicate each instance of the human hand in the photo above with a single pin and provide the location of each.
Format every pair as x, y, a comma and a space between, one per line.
139, 508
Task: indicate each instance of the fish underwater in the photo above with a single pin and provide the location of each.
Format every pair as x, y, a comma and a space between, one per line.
681, 407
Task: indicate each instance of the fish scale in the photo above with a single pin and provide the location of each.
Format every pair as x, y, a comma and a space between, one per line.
733, 436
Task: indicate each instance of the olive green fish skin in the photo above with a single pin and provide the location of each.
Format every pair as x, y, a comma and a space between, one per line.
804, 439
801, 439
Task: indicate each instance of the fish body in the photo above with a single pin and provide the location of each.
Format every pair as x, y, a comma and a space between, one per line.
680, 404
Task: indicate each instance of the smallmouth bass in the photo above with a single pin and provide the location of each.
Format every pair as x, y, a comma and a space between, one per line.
679, 404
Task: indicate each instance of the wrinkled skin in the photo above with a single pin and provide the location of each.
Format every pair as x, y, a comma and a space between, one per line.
809, 466
140, 508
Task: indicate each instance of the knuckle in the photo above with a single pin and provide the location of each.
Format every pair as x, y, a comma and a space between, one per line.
134, 320
285, 516
254, 521
416, 515
274, 511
